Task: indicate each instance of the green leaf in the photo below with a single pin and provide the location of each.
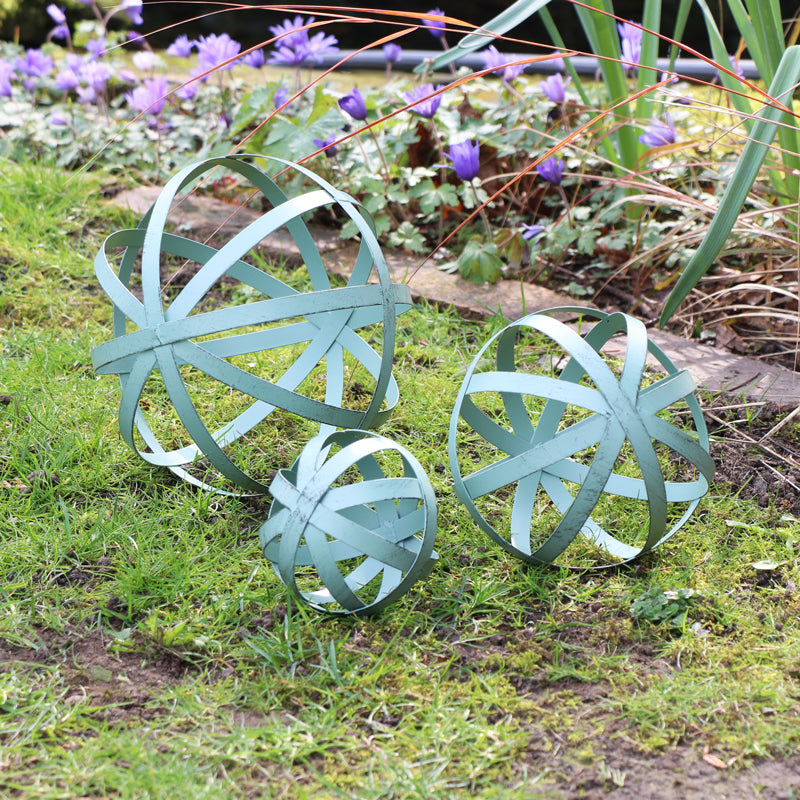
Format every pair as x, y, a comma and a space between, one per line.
479, 262
651, 20
601, 31
720, 54
408, 237
502, 23
767, 565
767, 27
753, 155
431, 197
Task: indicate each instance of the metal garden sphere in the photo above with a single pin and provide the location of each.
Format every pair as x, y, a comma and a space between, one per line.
319, 327
346, 533
560, 453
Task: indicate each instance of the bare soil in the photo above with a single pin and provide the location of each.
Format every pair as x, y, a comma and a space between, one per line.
123, 683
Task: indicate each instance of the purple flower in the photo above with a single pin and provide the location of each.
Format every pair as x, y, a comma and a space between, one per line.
295, 47
314, 50
631, 39
144, 60
150, 97
552, 170
558, 62
554, 88
290, 33
67, 80
421, 102
6, 74
283, 55
532, 231
331, 151
132, 9
35, 64
189, 91
494, 59
280, 97
126, 76
255, 59
736, 67
96, 47
58, 120
87, 96
354, 105
435, 26
392, 52
657, 134
466, 159
61, 30
320, 45
181, 47
214, 50
95, 74
56, 14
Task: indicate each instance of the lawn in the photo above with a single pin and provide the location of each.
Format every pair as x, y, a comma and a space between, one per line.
148, 648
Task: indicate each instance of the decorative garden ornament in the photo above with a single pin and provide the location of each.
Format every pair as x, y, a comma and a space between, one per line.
176, 336
584, 445
345, 532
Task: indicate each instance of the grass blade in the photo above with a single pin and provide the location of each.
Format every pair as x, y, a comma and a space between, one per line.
720, 54
651, 22
502, 23
765, 16
601, 31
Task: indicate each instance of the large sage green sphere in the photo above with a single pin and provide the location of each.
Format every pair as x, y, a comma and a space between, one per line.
596, 453
195, 354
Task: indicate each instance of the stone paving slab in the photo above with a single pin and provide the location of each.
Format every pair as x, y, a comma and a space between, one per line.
713, 369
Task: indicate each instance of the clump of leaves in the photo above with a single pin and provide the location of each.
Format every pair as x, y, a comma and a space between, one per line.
663, 606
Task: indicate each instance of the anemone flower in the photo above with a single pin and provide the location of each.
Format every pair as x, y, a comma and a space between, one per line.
392, 52
554, 88
435, 26
466, 159
532, 231
255, 59
658, 134
182, 47
354, 105
494, 59
61, 30
280, 97
422, 103
552, 170
6, 74
150, 97
331, 151
631, 41
214, 50
132, 9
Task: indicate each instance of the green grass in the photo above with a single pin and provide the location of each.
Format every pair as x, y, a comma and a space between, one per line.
148, 650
